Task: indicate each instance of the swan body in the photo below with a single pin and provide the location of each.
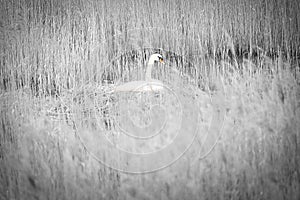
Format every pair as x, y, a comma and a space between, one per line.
140, 86
144, 86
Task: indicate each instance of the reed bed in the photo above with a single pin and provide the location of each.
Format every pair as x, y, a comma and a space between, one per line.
57, 58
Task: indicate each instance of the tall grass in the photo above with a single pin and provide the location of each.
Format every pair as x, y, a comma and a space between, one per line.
54, 51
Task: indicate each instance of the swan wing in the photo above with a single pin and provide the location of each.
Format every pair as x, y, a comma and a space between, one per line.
140, 86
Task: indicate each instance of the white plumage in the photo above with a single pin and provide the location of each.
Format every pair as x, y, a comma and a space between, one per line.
143, 86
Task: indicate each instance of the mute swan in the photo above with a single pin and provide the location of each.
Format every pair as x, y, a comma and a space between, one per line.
149, 84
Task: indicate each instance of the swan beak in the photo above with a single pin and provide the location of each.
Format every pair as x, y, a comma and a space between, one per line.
161, 60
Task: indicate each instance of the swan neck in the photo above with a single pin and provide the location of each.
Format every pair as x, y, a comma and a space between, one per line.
149, 71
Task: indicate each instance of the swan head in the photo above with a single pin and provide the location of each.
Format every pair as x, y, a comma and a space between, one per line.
155, 58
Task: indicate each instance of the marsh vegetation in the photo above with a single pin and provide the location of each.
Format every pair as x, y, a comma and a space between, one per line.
58, 58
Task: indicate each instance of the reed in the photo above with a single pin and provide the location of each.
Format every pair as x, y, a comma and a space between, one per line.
54, 55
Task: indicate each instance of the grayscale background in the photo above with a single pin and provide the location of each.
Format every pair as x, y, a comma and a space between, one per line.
225, 124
